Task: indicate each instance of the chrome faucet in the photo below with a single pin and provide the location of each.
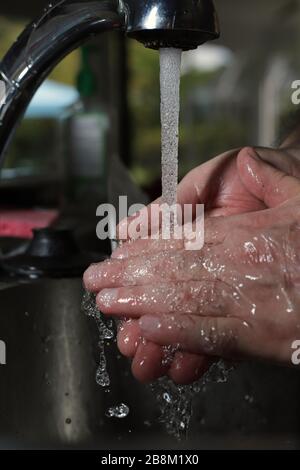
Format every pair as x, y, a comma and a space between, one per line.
65, 24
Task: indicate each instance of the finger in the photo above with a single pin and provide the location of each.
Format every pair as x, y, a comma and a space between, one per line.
145, 270
201, 298
215, 231
176, 266
186, 368
145, 246
200, 335
195, 188
214, 228
267, 183
151, 221
148, 363
138, 225
129, 337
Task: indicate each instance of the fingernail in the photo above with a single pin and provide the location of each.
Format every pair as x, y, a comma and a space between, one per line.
89, 272
107, 297
89, 276
149, 324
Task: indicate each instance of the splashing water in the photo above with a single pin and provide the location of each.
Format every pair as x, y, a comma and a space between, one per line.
105, 329
175, 401
106, 332
119, 411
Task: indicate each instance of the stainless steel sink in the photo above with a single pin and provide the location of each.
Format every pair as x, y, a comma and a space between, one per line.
48, 393
49, 397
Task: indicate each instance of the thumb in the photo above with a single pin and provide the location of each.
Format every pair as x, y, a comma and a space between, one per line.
270, 185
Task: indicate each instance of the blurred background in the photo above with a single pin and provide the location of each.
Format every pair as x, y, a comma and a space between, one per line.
104, 100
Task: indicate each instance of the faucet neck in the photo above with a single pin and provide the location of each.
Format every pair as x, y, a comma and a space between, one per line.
65, 25
42, 45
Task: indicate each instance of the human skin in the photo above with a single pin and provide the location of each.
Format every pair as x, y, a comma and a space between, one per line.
236, 192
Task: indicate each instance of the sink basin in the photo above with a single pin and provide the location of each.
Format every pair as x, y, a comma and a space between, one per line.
48, 393
49, 397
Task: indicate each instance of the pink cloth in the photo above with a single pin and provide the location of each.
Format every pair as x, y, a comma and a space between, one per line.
20, 223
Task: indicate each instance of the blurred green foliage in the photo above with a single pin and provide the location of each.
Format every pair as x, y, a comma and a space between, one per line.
203, 132
65, 72
31, 135
9, 31
28, 149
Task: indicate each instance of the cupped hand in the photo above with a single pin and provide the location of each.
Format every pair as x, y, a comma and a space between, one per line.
226, 195
218, 185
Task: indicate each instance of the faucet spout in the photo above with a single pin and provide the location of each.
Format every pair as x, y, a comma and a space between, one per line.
185, 24
62, 27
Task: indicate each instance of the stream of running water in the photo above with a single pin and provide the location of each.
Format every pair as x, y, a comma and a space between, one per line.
175, 402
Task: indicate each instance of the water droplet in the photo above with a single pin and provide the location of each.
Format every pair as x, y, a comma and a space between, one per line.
249, 398
119, 411
175, 401
105, 330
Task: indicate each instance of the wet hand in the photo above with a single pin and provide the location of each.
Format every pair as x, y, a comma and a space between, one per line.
224, 291
216, 184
